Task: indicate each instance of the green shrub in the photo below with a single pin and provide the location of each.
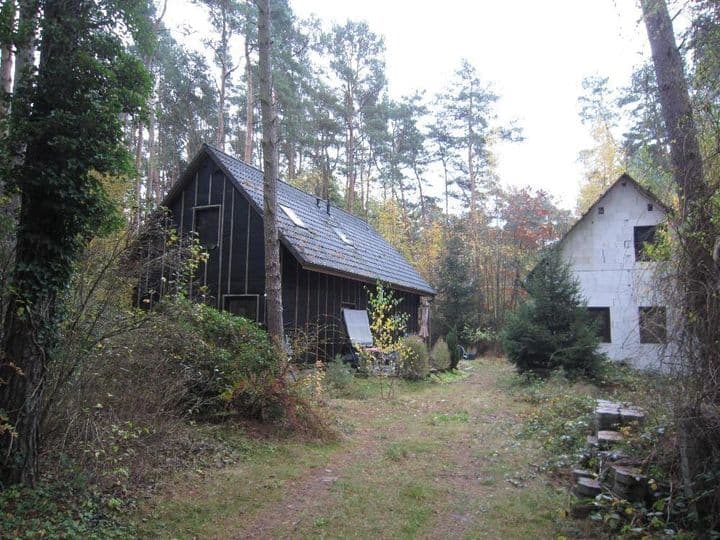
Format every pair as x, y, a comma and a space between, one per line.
440, 355
339, 378
273, 397
552, 328
482, 339
414, 359
454, 347
213, 350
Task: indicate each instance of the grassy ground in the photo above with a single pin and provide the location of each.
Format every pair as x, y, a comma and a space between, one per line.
436, 459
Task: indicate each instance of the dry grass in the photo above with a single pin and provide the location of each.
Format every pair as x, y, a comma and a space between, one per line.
436, 460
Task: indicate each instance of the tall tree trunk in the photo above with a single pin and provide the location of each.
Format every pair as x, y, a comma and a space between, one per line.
420, 193
273, 284
25, 38
697, 277
31, 308
326, 173
224, 73
8, 13
250, 98
350, 159
153, 174
685, 155
292, 161
447, 189
137, 215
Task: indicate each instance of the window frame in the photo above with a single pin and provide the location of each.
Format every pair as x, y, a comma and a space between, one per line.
228, 297
648, 335
292, 216
344, 238
639, 247
604, 337
217, 207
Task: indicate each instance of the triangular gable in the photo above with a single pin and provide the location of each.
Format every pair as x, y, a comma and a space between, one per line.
338, 242
622, 178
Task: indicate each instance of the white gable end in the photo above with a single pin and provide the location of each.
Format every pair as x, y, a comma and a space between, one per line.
602, 252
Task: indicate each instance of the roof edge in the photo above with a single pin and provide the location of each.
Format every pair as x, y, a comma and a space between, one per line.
624, 177
190, 170
334, 272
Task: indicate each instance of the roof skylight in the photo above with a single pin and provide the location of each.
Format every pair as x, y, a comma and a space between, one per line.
289, 212
344, 237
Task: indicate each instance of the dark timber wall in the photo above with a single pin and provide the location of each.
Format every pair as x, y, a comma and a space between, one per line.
235, 268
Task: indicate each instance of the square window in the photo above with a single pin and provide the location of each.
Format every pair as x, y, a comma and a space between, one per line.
601, 210
601, 317
243, 305
643, 236
289, 212
207, 226
653, 324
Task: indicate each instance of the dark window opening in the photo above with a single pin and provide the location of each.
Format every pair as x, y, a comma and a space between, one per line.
650, 207
643, 236
601, 317
653, 324
243, 306
207, 226
601, 210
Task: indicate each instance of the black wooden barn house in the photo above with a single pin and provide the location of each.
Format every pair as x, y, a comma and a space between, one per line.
328, 257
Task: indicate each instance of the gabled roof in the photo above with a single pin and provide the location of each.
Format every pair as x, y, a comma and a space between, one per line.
623, 178
319, 246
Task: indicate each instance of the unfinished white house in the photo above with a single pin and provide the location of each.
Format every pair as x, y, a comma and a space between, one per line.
605, 250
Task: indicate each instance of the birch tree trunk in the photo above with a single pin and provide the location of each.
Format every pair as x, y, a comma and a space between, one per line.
273, 282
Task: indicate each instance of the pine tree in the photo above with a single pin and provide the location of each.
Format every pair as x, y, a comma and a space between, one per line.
455, 287
552, 328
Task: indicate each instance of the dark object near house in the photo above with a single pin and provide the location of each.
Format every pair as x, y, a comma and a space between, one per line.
328, 256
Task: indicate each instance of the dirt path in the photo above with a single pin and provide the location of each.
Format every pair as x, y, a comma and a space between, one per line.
436, 461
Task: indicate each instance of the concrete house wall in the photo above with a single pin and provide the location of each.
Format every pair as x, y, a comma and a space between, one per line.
601, 251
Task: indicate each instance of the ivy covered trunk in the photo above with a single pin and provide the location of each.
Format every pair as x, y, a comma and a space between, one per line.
696, 408
21, 397
65, 132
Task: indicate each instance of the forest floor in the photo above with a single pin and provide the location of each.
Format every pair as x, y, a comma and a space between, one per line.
435, 459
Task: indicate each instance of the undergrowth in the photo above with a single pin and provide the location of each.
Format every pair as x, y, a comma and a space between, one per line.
61, 509
560, 418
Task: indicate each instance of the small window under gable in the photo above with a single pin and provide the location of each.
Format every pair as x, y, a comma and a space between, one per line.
289, 212
344, 237
601, 210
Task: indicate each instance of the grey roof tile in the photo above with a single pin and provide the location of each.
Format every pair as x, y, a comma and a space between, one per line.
370, 256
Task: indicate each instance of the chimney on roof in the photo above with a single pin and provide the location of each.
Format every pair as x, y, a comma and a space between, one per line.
328, 207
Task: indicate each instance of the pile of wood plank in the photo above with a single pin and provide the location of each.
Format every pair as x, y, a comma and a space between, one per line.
611, 470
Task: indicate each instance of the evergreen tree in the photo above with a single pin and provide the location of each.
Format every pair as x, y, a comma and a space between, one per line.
455, 287
552, 328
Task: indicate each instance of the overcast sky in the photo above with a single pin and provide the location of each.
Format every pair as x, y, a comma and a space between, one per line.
533, 53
